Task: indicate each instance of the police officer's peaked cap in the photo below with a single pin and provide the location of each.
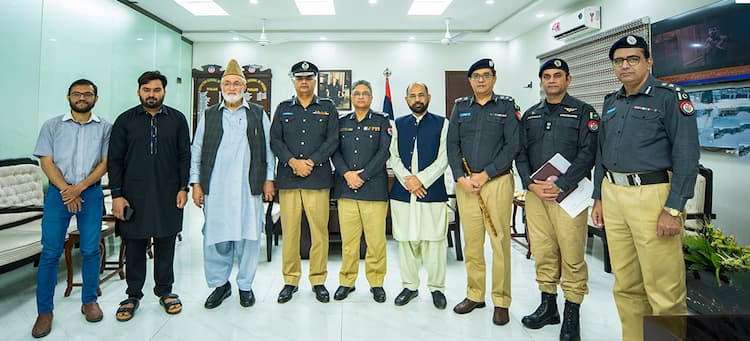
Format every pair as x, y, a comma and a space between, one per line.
485, 63
304, 68
554, 63
628, 41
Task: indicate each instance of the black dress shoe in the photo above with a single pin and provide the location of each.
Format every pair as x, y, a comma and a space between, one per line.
405, 296
378, 294
286, 293
438, 299
219, 295
321, 293
342, 292
247, 298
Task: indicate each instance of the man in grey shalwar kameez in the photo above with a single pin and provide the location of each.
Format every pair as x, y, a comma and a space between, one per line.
231, 157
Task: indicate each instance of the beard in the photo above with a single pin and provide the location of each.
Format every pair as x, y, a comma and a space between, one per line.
152, 102
419, 107
231, 99
81, 109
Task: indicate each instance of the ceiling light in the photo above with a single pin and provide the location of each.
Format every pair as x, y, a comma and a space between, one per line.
139, 39
52, 40
412, 38
315, 7
235, 38
429, 7
498, 39
253, 2
323, 38
490, 2
372, 2
202, 7
540, 15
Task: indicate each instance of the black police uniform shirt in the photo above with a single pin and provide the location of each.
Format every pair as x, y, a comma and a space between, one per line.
568, 128
363, 145
652, 130
305, 133
486, 135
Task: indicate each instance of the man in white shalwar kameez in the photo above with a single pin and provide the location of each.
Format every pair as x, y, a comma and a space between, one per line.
418, 197
231, 156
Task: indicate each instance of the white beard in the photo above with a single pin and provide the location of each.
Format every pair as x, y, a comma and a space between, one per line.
232, 98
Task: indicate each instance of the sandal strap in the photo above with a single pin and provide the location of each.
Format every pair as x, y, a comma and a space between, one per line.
131, 300
169, 295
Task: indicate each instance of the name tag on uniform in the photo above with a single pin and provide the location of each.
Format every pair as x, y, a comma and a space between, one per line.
638, 107
371, 128
287, 113
495, 114
346, 129
464, 114
533, 116
324, 113
569, 115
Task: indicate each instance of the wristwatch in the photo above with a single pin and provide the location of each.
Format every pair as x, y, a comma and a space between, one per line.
673, 212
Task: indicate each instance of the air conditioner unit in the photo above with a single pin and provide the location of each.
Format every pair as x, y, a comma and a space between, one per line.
574, 24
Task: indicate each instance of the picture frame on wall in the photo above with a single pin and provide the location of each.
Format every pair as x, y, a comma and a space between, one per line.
336, 85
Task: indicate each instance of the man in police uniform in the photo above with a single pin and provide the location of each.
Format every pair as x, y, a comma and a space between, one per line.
361, 187
558, 124
303, 137
648, 153
483, 135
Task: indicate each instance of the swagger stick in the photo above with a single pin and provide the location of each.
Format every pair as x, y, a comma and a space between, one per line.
482, 206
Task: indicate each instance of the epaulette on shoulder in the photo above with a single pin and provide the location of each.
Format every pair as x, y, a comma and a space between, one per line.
380, 113
288, 100
462, 99
325, 99
504, 98
611, 93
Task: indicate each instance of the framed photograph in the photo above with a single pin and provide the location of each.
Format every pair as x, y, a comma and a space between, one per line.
336, 85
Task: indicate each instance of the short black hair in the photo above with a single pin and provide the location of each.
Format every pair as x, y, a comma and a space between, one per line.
150, 76
417, 83
83, 81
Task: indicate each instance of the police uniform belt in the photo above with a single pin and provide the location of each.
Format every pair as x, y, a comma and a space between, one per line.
638, 179
507, 171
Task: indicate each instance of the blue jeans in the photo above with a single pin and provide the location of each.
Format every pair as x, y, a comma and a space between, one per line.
55, 223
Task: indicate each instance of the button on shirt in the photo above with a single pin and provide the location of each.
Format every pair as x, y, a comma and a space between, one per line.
647, 132
363, 145
305, 133
550, 129
76, 148
486, 135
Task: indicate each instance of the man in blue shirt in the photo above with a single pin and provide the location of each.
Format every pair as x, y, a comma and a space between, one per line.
73, 151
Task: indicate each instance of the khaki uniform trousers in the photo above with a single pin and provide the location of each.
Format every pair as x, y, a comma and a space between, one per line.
498, 197
558, 243
649, 270
356, 216
315, 202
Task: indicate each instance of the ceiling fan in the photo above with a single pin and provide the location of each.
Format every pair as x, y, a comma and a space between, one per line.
262, 40
449, 39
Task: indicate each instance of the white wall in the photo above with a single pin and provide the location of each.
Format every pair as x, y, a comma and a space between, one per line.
408, 62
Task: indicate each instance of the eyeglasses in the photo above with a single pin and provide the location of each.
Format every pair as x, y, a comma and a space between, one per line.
152, 144
86, 95
632, 60
415, 96
363, 94
486, 76
232, 85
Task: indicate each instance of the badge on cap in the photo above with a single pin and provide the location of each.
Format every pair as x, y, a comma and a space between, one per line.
305, 66
557, 63
491, 63
593, 125
687, 108
631, 40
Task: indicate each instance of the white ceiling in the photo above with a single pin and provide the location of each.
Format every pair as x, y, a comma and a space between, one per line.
357, 20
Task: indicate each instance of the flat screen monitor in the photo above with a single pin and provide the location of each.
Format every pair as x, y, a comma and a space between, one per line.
723, 117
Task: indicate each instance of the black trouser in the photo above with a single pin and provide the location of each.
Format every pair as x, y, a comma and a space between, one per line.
135, 265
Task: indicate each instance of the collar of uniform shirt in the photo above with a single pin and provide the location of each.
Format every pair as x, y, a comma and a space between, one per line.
244, 104
353, 115
646, 89
69, 117
493, 98
315, 99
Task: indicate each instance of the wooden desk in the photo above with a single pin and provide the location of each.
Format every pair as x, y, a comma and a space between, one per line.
116, 267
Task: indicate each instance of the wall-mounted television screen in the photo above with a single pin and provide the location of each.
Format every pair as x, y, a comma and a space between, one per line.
707, 45
723, 118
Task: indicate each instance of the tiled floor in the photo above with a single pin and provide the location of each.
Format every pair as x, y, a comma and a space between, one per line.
303, 318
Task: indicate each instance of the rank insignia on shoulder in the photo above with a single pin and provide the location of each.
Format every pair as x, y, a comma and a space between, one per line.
569, 110
687, 108
593, 125
464, 114
593, 115
461, 99
324, 113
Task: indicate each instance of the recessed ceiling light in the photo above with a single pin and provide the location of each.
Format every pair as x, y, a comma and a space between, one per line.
540, 15
323, 38
315, 7
235, 38
202, 7
498, 39
372, 2
253, 2
429, 7
490, 2
139, 39
412, 38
